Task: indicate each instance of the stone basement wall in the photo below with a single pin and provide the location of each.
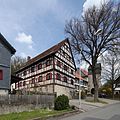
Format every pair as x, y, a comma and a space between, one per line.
64, 90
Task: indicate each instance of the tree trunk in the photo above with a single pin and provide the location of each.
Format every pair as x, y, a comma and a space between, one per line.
95, 82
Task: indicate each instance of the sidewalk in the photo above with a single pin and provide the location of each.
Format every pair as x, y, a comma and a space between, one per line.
86, 106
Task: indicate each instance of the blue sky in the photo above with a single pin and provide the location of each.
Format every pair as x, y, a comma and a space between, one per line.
33, 26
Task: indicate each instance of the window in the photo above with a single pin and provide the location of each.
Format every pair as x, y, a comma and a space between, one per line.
39, 66
20, 84
70, 58
1, 75
58, 76
30, 81
16, 85
61, 51
24, 83
33, 80
25, 73
64, 53
48, 62
65, 79
40, 79
65, 67
72, 82
58, 63
49, 76
71, 71
33, 69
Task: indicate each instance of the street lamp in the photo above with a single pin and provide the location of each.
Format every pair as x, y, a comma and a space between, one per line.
79, 83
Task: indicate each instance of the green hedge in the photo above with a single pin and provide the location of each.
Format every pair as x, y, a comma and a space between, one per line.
61, 102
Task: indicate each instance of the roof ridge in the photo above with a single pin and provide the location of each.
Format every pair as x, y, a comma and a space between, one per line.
7, 44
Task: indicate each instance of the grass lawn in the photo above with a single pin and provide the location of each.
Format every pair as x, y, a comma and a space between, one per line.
32, 114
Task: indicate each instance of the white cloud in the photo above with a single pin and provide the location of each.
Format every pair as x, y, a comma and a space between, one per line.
90, 3
30, 47
24, 55
23, 38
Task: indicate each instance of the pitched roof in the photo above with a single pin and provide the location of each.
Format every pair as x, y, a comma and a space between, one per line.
7, 44
50, 51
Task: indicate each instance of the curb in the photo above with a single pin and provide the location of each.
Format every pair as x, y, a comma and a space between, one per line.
105, 105
56, 117
92, 105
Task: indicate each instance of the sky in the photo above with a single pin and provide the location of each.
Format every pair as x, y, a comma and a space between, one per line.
33, 26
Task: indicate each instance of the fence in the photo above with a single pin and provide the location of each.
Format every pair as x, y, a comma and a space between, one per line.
19, 103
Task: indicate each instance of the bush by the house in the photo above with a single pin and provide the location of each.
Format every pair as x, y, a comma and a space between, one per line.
61, 102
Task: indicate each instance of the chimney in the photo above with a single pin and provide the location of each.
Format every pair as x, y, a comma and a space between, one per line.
28, 58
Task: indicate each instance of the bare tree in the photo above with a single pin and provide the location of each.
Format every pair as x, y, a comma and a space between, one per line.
111, 68
97, 31
16, 63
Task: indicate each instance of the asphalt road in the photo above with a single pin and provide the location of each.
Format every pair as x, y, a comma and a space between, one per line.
110, 112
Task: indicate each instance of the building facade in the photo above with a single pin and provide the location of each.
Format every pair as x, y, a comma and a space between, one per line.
6, 51
51, 71
81, 80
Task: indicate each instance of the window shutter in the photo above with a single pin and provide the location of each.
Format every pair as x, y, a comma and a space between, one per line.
1, 75
56, 76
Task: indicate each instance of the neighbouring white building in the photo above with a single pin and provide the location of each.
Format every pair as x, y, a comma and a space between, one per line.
117, 86
81, 80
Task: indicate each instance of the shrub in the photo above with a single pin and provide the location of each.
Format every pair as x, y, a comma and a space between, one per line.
61, 102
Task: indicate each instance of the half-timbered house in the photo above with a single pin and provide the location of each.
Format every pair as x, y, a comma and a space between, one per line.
51, 71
